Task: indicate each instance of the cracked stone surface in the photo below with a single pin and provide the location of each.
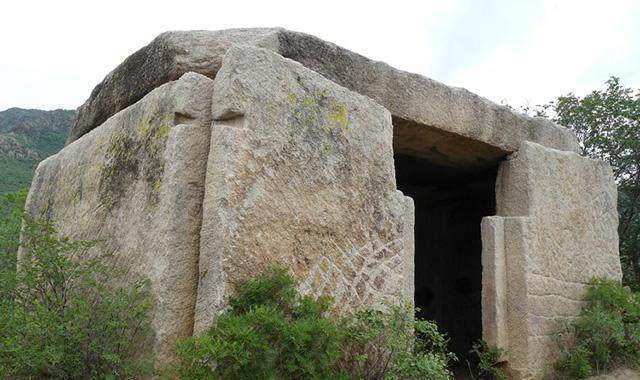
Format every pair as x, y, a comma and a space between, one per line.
301, 175
137, 183
409, 97
207, 157
557, 228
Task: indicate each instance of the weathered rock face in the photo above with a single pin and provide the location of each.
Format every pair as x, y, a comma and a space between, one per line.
414, 98
301, 174
556, 230
166, 58
407, 96
295, 171
198, 182
137, 183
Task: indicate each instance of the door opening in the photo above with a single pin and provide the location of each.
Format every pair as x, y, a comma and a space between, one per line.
449, 205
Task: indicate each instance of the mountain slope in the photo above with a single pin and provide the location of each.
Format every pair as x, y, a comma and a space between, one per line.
27, 136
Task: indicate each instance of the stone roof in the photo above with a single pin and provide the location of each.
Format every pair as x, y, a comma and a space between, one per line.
411, 98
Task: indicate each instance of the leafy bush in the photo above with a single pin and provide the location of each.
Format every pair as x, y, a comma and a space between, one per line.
393, 345
270, 331
487, 362
606, 334
11, 209
576, 363
63, 319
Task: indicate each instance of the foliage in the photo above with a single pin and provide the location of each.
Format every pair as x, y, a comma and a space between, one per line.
26, 137
607, 123
63, 319
16, 174
576, 363
393, 345
270, 331
11, 209
487, 362
606, 334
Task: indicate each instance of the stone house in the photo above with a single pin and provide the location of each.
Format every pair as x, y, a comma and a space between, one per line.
207, 157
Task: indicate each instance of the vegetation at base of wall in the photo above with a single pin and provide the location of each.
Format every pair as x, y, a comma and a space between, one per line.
607, 124
605, 335
272, 332
60, 315
487, 362
393, 344
61, 318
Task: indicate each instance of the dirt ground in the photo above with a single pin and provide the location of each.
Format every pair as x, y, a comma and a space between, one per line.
619, 374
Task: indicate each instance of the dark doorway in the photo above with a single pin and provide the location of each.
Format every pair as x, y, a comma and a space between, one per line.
449, 205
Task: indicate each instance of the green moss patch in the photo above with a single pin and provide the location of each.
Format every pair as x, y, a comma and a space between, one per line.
133, 155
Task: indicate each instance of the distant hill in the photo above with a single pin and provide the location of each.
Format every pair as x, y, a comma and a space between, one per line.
27, 136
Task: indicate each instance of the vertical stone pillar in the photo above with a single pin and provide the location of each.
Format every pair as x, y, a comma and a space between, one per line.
556, 229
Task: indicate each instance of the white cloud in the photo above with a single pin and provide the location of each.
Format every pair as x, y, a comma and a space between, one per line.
55, 52
574, 48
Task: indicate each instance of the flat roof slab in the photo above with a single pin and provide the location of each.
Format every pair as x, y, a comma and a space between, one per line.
410, 97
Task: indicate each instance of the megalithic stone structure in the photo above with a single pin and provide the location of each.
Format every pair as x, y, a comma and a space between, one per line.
208, 157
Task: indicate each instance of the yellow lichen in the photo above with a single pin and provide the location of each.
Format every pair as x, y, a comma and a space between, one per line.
338, 116
308, 101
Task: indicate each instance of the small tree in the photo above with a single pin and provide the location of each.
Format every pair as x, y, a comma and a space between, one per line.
64, 318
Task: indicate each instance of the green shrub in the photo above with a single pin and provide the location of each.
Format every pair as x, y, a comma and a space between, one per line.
63, 319
394, 345
486, 365
11, 209
606, 334
270, 331
576, 363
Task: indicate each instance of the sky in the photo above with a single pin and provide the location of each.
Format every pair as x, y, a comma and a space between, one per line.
519, 52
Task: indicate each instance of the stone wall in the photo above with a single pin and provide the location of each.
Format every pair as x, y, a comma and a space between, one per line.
199, 180
201, 184
556, 229
301, 174
137, 183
